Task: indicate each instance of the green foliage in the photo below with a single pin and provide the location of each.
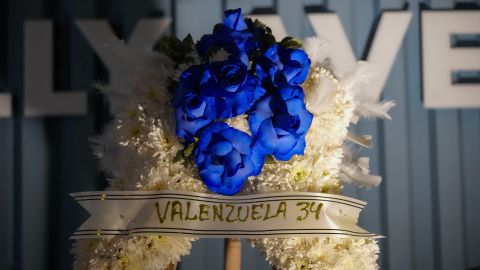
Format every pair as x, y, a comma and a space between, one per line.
291, 43
177, 49
189, 150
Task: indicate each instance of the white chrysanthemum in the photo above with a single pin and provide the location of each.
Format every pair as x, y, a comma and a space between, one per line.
320, 253
131, 252
239, 122
140, 151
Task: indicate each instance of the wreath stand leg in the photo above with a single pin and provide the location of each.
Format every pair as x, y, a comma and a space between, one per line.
233, 254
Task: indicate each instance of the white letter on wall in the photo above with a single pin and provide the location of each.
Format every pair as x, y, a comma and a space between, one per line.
440, 59
40, 99
99, 34
384, 48
5, 105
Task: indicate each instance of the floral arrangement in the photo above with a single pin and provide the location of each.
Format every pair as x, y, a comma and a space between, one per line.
238, 112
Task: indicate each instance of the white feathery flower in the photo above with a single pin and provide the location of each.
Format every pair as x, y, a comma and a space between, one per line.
317, 49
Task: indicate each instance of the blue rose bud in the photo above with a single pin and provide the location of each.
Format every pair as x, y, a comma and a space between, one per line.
193, 111
225, 158
234, 20
268, 64
280, 121
231, 36
280, 65
234, 89
295, 65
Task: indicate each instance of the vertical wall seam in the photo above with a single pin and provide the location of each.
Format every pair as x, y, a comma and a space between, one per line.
16, 49
462, 181
409, 161
434, 184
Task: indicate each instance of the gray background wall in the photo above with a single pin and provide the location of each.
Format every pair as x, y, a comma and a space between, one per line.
430, 159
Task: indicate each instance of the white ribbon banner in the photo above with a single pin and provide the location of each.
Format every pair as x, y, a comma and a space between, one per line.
207, 215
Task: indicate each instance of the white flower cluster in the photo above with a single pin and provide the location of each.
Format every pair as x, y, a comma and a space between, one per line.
320, 253
317, 171
140, 151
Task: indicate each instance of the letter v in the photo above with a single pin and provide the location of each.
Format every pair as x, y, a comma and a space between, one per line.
385, 45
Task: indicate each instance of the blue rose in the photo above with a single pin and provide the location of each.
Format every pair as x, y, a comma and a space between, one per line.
225, 158
268, 65
193, 111
295, 65
282, 65
280, 121
231, 36
234, 89
234, 20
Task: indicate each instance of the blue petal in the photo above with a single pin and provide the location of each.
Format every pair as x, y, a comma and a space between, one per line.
240, 102
186, 127
259, 91
285, 144
223, 109
212, 178
222, 148
296, 65
232, 161
234, 20
234, 183
194, 105
297, 107
297, 150
302, 58
228, 190
263, 105
301, 76
258, 157
205, 138
199, 157
290, 92
290, 72
210, 110
271, 142
272, 55
281, 131
260, 112
306, 121
240, 140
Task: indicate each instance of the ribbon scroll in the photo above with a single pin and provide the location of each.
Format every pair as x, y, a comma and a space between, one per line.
207, 215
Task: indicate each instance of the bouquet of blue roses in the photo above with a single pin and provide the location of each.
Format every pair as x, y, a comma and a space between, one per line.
260, 79
237, 112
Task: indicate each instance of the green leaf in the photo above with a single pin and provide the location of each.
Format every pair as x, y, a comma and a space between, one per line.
187, 42
189, 150
217, 27
291, 43
268, 40
212, 51
259, 24
175, 48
